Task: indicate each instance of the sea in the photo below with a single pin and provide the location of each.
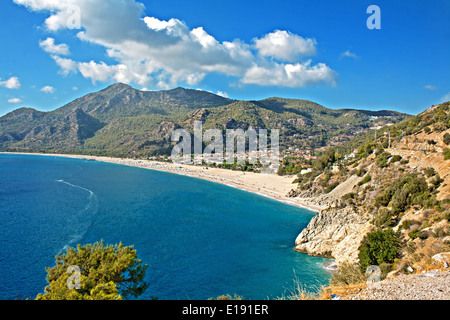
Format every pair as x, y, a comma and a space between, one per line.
199, 239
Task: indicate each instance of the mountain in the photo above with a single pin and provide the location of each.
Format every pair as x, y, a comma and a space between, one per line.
123, 121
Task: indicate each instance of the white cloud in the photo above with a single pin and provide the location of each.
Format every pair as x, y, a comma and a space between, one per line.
48, 89
430, 87
153, 52
446, 97
11, 83
222, 94
285, 46
96, 71
66, 65
48, 45
290, 75
14, 100
348, 54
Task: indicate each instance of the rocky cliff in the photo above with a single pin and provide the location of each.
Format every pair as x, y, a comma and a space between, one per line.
399, 179
335, 233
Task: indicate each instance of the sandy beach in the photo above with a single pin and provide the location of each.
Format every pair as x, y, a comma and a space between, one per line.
268, 185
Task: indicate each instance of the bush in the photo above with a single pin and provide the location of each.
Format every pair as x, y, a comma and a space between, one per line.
366, 179
446, 154
380, 246
413, 233
347, 274
361, 172
281, 171
416, 233
384, 197
347, 196
383, 218
404, 161
429, 172
382, 159
423, 235
331, 187
406, 224
409, 189
436, 181
396, 158
447, 138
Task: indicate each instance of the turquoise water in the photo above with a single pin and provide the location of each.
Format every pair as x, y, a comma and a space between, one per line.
200, 239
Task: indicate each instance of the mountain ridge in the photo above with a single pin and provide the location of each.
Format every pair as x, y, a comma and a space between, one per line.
120, 120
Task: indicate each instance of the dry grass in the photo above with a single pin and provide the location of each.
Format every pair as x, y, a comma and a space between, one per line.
347, 274
425, 250
355, 282
341, 290
300, 292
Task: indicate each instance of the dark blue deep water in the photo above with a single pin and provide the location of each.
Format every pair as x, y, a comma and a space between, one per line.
200, 239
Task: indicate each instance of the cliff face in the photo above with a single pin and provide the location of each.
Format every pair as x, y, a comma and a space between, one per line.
335, 233
399, 180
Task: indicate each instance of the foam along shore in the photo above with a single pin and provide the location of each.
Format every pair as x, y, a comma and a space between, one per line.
268, 185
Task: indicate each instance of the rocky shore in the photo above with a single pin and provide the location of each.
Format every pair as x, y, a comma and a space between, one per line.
335, 233
430, 285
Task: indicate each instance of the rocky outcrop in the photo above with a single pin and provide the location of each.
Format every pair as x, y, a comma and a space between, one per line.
335, 233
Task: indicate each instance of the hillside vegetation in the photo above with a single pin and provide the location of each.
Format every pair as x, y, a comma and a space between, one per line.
122, 121
398, 184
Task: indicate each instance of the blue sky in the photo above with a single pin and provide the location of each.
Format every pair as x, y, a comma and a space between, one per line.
56, 51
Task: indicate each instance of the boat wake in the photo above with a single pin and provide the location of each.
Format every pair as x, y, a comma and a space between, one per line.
79, 223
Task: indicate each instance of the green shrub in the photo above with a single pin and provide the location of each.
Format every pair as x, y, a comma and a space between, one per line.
366, 179
436, 181
404, 161
379, 151
429, 172
383, 218
413, 234
361, 172
382, 159
416, 233
396, 158
446, 154
384, 197
423, 235
281, 171
380, 246
409, 189
331, 187
406, 224
447, 138
350, 195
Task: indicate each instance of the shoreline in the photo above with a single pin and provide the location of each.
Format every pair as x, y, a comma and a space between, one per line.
267, 185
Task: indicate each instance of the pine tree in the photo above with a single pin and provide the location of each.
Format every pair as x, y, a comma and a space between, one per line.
105, 273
